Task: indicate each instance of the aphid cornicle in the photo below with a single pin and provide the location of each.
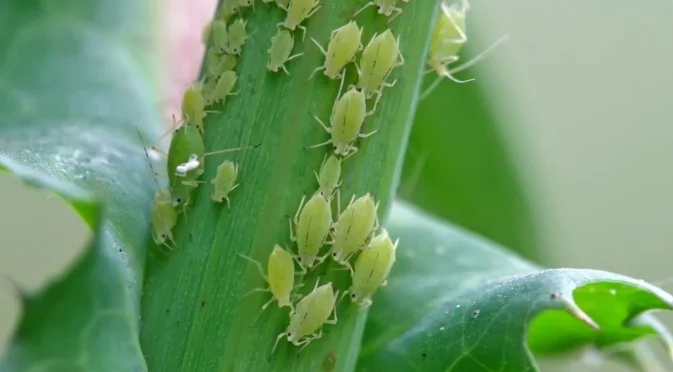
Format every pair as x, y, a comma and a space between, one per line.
280, 278
328, 178
224, 181
297, 12
312, 224
378, 60
236, 37
448, 40
223, 88
383, 7
352, 230
220, 35
310, 314
344, 42
372, 268
348, 114
280, 50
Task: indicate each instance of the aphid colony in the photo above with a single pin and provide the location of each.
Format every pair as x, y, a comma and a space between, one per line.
353, 237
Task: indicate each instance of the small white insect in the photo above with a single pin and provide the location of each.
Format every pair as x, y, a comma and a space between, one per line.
236, 37
352, 230
312, 224
310, 314
280, 279
378, 60
224, 181
328, 178
348, 115
383, 7
191, 164
280, 50
372, 268
344, 42
297, 12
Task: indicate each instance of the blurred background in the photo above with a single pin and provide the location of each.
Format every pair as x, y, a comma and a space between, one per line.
561, 149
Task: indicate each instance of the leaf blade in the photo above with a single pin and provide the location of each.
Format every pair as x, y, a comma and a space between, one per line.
480, 324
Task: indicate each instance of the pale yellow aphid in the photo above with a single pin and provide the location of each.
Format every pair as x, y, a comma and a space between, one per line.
163, 216
311, 224
310, 314
193, 105
344, 42
223, 88
220, 35
224, 181
297, 12
352, 230
383, 7
217, 64
448, 40
237, 37
206, 32
280, 50
372, 268
280, 269
378, 60
348, 114
328, 178
227, 9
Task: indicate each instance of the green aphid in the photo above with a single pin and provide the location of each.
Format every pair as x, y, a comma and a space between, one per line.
225, 181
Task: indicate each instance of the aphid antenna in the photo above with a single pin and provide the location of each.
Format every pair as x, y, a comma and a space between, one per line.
480, 56
140, 136
231, 150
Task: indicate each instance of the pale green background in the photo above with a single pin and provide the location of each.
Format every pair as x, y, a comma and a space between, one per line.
591, 83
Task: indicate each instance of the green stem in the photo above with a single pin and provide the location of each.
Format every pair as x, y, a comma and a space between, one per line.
194, 316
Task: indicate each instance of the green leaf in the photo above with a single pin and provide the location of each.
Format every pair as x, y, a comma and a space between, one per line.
459, 165
456, 302
72, 90
194, 314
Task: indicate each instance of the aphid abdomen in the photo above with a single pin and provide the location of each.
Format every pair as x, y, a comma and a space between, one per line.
372, 268
312, 227
280, 269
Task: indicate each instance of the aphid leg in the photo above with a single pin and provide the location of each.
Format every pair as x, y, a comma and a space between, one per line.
334, 321
352, 150
371, 3
480, 56
256, 290
366, 302
325, 127
397, 12
280, 336
385, 283
308, 340
257, 263
230, 150
315, 71
322, 50
303, 31
267, 303
365, 135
